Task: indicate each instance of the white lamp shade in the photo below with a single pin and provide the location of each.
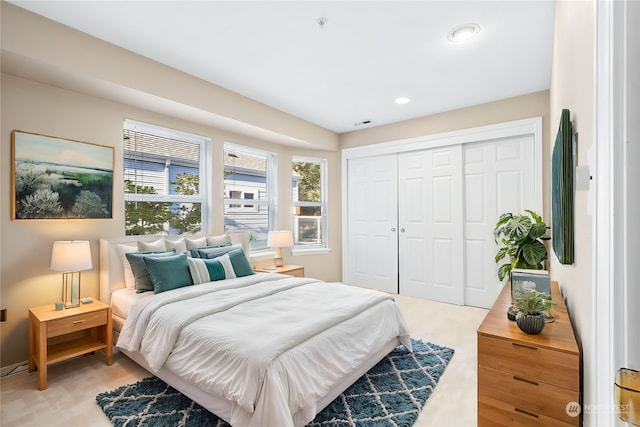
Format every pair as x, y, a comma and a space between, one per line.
71, 255
280, 239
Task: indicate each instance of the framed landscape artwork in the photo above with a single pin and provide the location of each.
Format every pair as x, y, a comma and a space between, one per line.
56, 178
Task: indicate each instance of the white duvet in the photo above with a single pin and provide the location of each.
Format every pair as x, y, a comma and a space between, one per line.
271, 345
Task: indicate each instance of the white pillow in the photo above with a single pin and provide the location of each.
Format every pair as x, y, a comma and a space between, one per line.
156, 246
129, 279
218, 240
196, 243
179, 245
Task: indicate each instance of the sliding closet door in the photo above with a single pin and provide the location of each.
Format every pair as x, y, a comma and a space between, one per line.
499, 176
372, 238
430, 220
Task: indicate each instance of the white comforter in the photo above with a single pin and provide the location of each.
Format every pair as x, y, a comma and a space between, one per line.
271, 345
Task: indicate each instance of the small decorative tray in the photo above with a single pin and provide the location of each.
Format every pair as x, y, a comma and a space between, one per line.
627, 389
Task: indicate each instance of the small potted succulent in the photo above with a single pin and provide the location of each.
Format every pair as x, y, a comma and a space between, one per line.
531, 308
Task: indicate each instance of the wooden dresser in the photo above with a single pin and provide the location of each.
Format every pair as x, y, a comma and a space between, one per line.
528, 380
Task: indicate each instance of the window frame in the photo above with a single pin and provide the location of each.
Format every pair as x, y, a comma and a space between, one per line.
204, 170
271, 176
323, 204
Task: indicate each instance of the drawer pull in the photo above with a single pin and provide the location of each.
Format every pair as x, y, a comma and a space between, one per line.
75, 322
524, 380
522, 411
515, 344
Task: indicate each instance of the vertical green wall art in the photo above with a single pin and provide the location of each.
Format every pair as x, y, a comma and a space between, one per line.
562, 170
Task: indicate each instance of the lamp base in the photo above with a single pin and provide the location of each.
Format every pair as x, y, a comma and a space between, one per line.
71, 289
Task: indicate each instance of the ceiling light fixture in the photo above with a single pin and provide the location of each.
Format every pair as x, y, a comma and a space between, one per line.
463, 32
402, 100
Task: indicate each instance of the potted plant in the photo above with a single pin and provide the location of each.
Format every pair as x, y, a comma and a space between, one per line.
521, 237
531, 308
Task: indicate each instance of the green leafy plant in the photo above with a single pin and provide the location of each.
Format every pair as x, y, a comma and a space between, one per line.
521, 237
532, 303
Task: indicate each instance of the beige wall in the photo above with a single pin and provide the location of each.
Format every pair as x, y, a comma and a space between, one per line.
572, 87
506, 110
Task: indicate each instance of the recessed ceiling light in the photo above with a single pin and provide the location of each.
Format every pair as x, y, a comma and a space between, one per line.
402, 100
463, 32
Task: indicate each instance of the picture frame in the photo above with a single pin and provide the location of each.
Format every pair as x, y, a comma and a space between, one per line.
59, 178
562, 190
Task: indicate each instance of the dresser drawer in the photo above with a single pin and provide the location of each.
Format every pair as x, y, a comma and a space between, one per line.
527, 361
535, 397
494, 413
79, 322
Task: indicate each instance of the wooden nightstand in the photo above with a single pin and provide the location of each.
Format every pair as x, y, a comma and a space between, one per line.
290, 269
55, 336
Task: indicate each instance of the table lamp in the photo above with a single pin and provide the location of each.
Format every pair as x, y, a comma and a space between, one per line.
278, 240
71, 257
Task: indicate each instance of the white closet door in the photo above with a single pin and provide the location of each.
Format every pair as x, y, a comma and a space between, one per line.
430, 221
499, 176
372, 213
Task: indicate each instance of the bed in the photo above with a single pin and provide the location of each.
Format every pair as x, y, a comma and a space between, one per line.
258, 350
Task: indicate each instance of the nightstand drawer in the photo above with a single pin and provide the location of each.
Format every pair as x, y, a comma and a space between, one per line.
528, 361
75, 323
298, 272
493, 413
535, 397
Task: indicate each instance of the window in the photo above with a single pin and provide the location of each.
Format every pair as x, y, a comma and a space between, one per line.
163, 189
309, 202
249, 192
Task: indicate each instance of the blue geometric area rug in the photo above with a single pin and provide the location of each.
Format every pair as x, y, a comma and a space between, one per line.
392, 393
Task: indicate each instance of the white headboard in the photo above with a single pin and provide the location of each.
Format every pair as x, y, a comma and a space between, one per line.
111, 271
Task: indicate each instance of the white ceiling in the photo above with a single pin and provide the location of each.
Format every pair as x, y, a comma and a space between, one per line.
350, 71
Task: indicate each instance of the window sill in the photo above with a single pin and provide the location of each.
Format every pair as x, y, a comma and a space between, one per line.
311, 251
266, 254
261, 255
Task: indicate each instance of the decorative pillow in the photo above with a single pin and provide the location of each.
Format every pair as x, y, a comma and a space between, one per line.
157, 246
139, 268
218, 240
206, 270
220, 250
179, 245
239, 261
129, 279
196, 243
228, 268
169, 272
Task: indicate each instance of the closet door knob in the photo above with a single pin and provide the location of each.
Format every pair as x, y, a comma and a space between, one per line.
402, 230
393, 229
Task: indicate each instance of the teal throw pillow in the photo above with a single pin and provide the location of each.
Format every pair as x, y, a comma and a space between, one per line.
139, 268
206, 270
198, 252
169, 273
239, 261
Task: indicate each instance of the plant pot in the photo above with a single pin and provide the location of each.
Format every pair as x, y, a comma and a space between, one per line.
531, 324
